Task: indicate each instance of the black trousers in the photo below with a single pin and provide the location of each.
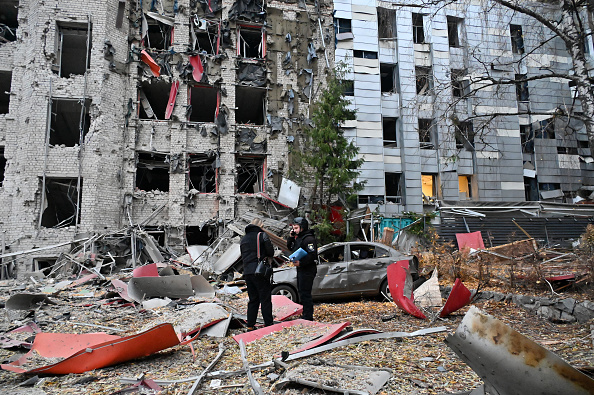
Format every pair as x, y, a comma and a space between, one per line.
259, 291
304, 285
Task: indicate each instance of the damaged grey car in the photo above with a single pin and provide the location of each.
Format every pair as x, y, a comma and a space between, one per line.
345, 270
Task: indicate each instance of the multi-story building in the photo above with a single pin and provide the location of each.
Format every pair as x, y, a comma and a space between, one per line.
431, 125
170, 114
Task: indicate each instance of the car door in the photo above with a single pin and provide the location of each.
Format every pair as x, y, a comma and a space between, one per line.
367, 267
332, 277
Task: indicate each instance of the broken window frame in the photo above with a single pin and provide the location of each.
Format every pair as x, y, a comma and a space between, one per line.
418, 27
217, 103
390, 135
545, 129
393, 183
464, 135
166, 31
82, 127
196, 29
517, 39
389, 78
426, 128
65, 216
424, 80
527, 139
8, 31
5, 88
342, 25
522, 91
208, 166
241, 50
147, 164
386, 23
454, 31
255, 164
74, 29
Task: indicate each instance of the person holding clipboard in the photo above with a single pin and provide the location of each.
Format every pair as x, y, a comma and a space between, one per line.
302, 242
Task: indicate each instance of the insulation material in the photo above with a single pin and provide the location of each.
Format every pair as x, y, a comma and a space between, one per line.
428, 294
252, 74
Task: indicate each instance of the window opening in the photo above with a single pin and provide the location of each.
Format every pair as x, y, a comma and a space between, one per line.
424, 77
545, 129
71, 50
9, 22
2, 166
159, 35
426, 134
65, 122
465, 187
522, 93
61, 201
204, 35
250, 174
460, 85
370, 199
365, 54
203, 173
251, 42
464, 134
389, 126
393, 187
386, 22
583, 144
249, 105
454, 25
154, 97
342, 25
349, 87
567, 150
5, 84
388, 77
203, 101
157, 233
44, 265
549, 186
152, 172
531, 189
418, 29
527, 139
196, 235
429, 187
517, 39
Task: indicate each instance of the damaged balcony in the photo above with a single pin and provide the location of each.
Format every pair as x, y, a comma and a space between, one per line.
69, 122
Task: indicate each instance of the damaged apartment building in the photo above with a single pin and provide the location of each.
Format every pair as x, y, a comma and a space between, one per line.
173, 115
424, 127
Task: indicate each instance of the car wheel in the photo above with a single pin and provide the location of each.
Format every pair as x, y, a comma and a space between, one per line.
385, 291
285, 290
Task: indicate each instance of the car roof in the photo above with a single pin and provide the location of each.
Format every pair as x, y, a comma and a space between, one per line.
344, 243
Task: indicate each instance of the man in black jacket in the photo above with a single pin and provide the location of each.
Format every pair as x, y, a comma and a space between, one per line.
303, 237
258, 287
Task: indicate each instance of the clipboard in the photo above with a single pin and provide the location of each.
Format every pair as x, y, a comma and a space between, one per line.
297, 255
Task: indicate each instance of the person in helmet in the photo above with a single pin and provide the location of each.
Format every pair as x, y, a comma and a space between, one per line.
303, 237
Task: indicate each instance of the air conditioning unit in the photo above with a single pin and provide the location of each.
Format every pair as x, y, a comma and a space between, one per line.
201, 24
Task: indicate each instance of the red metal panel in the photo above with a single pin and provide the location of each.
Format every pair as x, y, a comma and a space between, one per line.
96, 350
150, 270
83, 280
470, 240
283, 308
333, 331
122, 289
146, 58
197, 67
459, 297
171, 101
397, 275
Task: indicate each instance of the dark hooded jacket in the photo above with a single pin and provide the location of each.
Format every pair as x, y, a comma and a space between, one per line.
307, 241
248, 246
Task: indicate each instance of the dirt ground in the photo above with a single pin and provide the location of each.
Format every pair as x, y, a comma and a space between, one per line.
419, 365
